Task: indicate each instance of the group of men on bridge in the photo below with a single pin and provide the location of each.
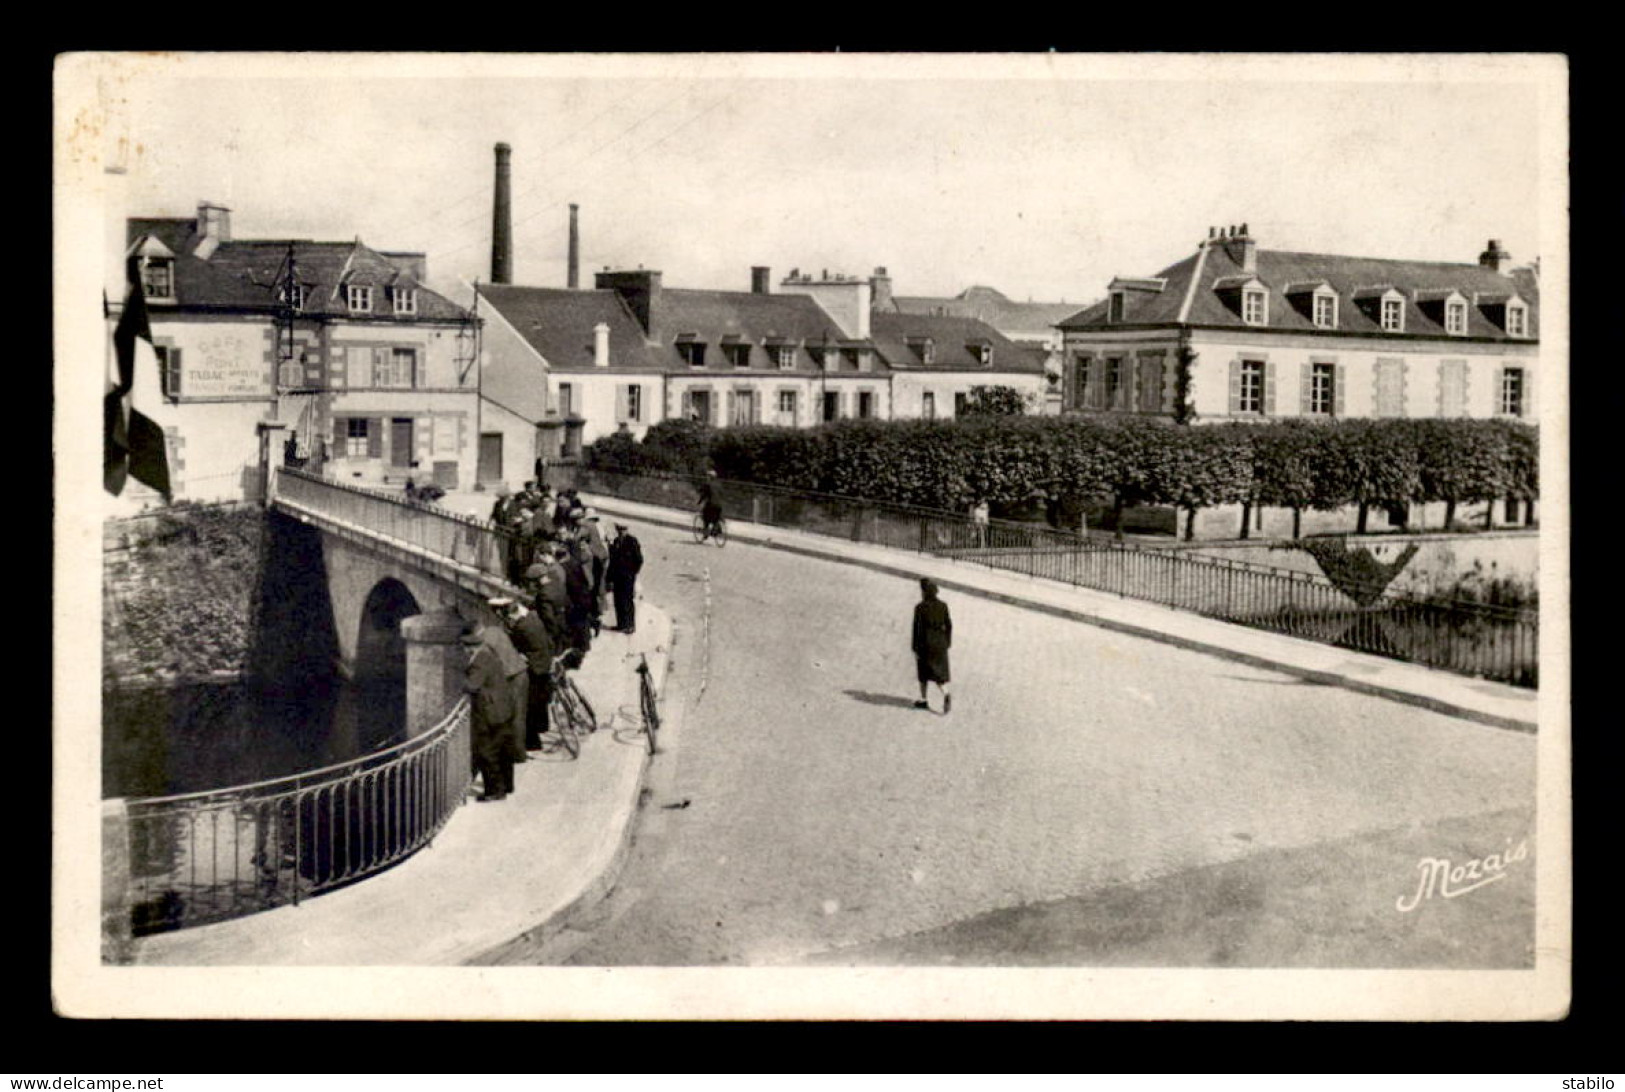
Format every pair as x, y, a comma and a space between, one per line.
567, 569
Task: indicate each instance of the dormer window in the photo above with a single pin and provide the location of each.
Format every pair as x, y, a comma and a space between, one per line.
924, 348
359, 298
983, 351
785, 357
158, 278
692, 350
1325, 310
294, 296
1455, 317
405, 300
1254, 307
738, 355
1393, 315
1116, 307
1517, 320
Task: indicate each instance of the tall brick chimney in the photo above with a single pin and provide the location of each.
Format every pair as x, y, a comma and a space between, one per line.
760, 280
881, 283
573, 272
502, 222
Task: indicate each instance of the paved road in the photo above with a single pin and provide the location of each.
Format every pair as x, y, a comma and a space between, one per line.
1093, 798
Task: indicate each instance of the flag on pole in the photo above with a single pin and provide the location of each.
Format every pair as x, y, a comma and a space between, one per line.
134, 442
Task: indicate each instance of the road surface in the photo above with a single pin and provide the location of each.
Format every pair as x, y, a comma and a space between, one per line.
1093, 798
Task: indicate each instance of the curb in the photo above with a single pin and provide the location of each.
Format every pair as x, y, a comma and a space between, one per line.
1193, 644
531, 942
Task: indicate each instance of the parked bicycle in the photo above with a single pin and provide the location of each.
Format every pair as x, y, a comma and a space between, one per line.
570, 714
647, 702
717, 529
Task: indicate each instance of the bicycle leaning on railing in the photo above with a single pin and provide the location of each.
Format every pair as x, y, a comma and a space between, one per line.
647, 702
570, 714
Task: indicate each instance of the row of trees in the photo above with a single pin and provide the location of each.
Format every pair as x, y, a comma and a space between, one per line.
1082, 461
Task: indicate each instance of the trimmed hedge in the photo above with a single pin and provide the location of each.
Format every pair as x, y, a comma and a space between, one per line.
1075, 460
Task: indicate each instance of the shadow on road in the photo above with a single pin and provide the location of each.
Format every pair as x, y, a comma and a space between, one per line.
1299, 681
879, 699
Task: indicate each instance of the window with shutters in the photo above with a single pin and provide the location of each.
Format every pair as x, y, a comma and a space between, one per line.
787, 407
634, 403
1512, 392
1250, 396
1113, 387
1081, 387
1322, 389
394, 368
291, 373
567, 400
1151, 384
744, 407
1452, 388
928, 405
1390, 394
355, 437
169, 368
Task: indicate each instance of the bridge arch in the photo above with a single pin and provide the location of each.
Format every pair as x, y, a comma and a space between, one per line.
379, 678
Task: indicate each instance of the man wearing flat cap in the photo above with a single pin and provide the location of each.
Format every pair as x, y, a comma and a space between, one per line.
535, 644
625, 562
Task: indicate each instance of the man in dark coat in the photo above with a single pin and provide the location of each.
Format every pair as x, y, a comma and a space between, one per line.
490, 716
578, 596
535, 644
933, 634
549, 599
625, 562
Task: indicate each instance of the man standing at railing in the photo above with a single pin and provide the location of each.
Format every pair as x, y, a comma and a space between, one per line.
491, 714
514, 670
535, 644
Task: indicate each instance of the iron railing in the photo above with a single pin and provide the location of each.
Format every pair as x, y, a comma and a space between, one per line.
468, 540
1491, 642
207, 856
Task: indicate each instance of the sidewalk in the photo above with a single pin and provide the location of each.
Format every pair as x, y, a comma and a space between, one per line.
495, 871
1491, 703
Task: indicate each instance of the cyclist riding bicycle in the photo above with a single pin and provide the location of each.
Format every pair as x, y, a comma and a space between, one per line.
710, 504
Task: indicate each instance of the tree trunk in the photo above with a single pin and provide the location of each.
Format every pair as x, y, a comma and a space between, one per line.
1359, 523
1449, 513
1529, 513
1190, 524
1246, 518
1489, 514
1297, 523
1117, 517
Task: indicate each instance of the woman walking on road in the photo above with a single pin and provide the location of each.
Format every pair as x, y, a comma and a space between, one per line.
933, 634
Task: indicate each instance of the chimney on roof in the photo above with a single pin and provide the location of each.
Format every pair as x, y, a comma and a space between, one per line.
214, 227
600, 345
881, 283
640, 288
760, 280
573, 276
1495, 256
502, 222
1242, 249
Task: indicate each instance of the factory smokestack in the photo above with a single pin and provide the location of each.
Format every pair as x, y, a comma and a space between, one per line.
575, 250
502, 223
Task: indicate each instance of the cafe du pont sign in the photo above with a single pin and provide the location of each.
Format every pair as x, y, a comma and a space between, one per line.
226, 364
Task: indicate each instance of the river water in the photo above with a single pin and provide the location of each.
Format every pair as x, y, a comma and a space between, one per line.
195, 736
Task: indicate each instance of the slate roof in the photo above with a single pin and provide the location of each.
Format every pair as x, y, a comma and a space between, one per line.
558, 323
1277, 269
952, 337
991, 306
240, 275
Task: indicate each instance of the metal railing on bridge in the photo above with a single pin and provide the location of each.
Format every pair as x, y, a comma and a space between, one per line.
1469, 638
467, 540
208, 856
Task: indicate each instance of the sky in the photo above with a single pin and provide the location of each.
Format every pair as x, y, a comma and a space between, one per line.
1041, 175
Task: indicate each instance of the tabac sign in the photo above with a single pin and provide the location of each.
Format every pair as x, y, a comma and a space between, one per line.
225, 363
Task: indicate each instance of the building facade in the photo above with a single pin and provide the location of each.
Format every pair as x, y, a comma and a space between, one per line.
576, 365
1268, 334
373, 374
